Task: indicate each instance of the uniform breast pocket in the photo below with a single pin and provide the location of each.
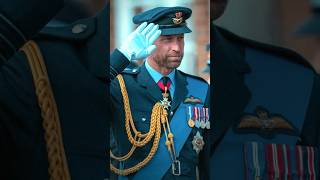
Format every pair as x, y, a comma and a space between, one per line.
142, 120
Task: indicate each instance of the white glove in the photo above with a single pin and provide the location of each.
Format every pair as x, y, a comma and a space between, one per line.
138, 45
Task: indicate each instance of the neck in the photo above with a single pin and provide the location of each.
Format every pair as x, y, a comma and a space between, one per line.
162, 70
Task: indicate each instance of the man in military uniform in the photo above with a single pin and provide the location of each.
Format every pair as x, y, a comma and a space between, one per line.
54, 103
265, 102
161, 114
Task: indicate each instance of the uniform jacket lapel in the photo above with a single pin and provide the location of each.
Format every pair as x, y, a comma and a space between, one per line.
180, 90
230, 94
145, 80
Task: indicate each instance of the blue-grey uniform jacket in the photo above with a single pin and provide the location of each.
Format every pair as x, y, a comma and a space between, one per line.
265, 107
143, 93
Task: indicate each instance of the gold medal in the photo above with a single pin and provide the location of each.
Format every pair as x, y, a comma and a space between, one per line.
191, 123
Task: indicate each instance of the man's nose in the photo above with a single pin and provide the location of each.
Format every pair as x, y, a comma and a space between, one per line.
176, 46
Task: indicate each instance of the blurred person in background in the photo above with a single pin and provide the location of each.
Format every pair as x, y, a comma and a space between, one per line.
54, 102
265, 109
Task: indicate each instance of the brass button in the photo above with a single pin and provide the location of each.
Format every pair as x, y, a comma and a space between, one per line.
79, 28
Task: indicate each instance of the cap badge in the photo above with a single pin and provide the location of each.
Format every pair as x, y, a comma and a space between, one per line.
178, 19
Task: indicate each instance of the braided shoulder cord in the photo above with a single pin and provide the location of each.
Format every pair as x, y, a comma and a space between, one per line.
154, 130
58, 166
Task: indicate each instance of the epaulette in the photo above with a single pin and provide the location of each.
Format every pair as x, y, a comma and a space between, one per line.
77, 31
193, 76
132, 71
285, 53
18, 23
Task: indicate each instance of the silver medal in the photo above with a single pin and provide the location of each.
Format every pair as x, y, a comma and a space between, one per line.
197, 142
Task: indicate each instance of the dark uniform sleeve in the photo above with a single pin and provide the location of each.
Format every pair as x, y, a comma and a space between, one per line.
20, 20
17, 98
118, 62
6, 152
310, 135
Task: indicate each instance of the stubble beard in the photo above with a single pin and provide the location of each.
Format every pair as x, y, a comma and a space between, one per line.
164, 62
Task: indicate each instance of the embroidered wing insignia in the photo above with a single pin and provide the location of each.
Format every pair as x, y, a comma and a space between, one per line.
264, 123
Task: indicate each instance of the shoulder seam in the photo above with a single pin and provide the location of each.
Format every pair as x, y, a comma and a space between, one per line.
65, 32
277, 50
193, 76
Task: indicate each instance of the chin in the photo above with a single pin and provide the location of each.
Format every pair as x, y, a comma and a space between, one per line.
174, 65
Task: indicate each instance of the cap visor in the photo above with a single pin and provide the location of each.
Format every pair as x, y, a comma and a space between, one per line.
174, 31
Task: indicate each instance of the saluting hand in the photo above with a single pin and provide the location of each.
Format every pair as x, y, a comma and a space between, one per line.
139, 43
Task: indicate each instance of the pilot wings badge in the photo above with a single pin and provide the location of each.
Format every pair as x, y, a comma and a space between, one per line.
192, 100
265, 124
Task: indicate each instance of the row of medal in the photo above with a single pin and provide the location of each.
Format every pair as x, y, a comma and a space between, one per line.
198, 117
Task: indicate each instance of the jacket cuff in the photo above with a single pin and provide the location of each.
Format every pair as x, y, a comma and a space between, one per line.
118, 62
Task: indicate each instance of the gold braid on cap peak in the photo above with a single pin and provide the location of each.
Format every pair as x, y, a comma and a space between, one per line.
158, 117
